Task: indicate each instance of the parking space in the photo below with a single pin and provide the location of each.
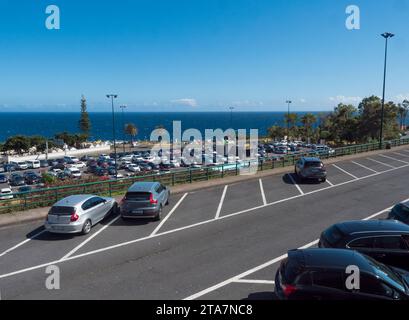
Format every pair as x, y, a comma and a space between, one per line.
196, 207
390, 162
278, 187
242, 196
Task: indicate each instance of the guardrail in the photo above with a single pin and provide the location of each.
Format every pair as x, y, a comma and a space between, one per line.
48, 196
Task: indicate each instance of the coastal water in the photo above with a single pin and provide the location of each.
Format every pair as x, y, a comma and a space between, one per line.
48, 124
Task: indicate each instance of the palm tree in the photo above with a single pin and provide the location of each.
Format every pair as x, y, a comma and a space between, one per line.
308, 121
292, 120
131, 130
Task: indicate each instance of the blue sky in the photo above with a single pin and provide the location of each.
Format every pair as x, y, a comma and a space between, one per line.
199, 55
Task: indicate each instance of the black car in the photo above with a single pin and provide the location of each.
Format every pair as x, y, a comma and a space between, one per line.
52, 162
31, 177
112, 170
400, 212
3, 178
321, 274
154, 166
310, 168
17, 180
144, 166
8, 167
384, 240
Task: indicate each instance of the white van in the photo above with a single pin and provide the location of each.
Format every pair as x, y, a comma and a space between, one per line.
20, 165
33, 164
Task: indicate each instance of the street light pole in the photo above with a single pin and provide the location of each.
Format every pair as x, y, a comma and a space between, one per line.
288, 118
123, 125
112, 97
386, 35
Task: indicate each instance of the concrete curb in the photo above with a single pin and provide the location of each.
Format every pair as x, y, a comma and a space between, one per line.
32, 215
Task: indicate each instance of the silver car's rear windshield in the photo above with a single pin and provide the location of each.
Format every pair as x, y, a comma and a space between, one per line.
137, 196
62, 211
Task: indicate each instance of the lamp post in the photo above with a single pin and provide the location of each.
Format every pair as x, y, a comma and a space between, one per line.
123, 124
288, 102
112, 97
386, 35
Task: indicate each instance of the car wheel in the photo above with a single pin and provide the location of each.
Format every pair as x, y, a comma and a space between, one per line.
87, 227
324, 179
159, 215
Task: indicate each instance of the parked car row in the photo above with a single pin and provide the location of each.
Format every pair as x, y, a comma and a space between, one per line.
378, 248
79, 213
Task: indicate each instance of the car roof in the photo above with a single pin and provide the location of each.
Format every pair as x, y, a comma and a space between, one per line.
333, 258
143, 186
73, 200
311, 159
5, 190
372, 226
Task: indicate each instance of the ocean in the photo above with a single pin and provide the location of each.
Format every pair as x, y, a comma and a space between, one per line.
48, 124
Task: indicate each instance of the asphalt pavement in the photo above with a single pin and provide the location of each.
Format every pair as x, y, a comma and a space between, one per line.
222, 242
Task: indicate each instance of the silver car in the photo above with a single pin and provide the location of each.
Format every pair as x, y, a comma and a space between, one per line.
144, 200
78, 213
311, 168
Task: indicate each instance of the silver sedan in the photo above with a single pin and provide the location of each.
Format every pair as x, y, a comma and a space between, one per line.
79, 213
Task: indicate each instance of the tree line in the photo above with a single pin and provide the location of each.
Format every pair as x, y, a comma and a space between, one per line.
347, 124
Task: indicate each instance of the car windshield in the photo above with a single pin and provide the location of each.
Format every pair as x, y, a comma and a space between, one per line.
57, 210
387, 274
137, 196
313, 164
402, 210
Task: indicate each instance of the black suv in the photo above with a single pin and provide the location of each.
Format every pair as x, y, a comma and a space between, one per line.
384, 240
17, 180
320, 274
400, 212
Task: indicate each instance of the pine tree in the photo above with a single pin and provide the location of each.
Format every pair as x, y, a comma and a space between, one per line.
84, 123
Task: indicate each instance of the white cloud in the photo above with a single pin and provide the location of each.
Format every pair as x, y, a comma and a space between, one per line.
302, 100
344, 99
401, 97
189, 102
247, 103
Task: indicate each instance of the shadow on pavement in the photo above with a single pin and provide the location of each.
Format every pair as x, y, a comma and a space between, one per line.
261, 296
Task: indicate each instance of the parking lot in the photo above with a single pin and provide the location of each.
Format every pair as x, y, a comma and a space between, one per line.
223, 242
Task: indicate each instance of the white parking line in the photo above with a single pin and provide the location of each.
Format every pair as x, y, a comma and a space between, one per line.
394, 159
401, 154
265, 265
22, 243
254, 281
122, 244
329, 182
169, 214
219, 208
69, 254
406, 151
379, 162
344, 171
295, 183
365, 167
262, 192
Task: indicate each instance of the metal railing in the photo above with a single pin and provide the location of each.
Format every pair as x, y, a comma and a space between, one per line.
47, 196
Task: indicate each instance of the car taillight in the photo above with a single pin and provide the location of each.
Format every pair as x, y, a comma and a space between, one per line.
74, 217
152, 200
288, 289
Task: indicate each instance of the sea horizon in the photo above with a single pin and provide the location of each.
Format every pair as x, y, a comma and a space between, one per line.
48, 124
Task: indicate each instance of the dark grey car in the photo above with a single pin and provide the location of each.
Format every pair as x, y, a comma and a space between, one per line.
311, 168
144, 200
